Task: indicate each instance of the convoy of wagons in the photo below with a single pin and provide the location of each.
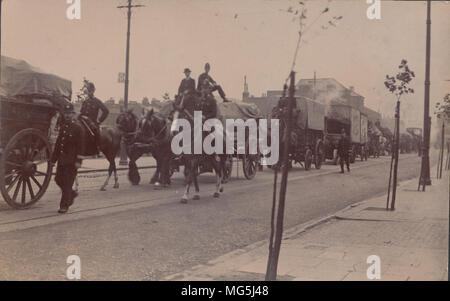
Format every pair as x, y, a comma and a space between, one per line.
29, 101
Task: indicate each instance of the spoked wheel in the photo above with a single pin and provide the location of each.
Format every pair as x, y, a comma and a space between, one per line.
228, 168
319, 155
25, 171
308, 159
250, 165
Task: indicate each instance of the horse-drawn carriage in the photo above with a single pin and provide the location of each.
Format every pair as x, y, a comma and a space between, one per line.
29, 99
145, 138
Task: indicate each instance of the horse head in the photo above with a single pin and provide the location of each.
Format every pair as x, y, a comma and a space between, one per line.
151, 126
127, 122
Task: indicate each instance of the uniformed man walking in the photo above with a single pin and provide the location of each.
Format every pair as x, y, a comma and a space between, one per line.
90, 109
205, 81
343, 150
67, 152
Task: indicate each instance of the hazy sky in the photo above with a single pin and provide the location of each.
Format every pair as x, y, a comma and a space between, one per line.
169, 35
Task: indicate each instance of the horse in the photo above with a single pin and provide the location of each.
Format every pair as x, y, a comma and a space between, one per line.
185, 109
153, 136
110, 141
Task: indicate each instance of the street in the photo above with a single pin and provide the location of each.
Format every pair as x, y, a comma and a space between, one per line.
138, 233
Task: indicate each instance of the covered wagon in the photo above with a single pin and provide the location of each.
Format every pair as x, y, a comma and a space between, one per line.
344, 117
29, 100
307, 132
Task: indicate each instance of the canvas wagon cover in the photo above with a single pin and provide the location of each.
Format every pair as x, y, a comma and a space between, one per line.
233, 110
18, 78
310, 111
229, 110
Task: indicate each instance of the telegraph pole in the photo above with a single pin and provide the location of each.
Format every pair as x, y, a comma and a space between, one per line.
425, 169
123, 154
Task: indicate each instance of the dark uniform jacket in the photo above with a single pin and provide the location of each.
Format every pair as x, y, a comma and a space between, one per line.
201, 81
344, 146
187, 84
69, 144
209, 107
91, 107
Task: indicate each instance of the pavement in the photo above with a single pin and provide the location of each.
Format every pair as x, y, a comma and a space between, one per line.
411, 243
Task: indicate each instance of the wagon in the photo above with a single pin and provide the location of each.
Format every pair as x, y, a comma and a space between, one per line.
341, 116
307, 145
29, 101
244, 111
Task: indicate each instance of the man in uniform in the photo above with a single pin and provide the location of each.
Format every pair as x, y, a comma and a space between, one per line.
205, 81
67, 151
343, 149
90, 109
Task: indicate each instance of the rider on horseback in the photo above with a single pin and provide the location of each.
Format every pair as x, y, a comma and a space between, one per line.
205, 80
89, 111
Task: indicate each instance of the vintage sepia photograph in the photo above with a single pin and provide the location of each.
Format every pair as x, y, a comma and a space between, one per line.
197, 142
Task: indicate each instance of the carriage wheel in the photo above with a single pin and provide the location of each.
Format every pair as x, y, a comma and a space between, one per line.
249, 165
25, 171
308, 159
319, 155
228, 168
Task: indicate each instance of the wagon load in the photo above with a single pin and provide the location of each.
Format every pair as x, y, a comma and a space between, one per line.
20, 79
228, 110
310, 114
28, 97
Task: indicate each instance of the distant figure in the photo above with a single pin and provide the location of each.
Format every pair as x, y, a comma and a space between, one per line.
205, 81
187, 85
343, 149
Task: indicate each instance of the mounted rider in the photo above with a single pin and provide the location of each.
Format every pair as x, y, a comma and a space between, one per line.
205, 80
90, 109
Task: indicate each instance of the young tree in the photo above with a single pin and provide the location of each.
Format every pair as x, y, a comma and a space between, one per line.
443, 109
398, 85
442, 112
299, 14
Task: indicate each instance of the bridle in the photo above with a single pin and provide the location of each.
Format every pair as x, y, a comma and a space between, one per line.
161, 131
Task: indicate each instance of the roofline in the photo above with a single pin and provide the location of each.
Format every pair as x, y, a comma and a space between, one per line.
325, 78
